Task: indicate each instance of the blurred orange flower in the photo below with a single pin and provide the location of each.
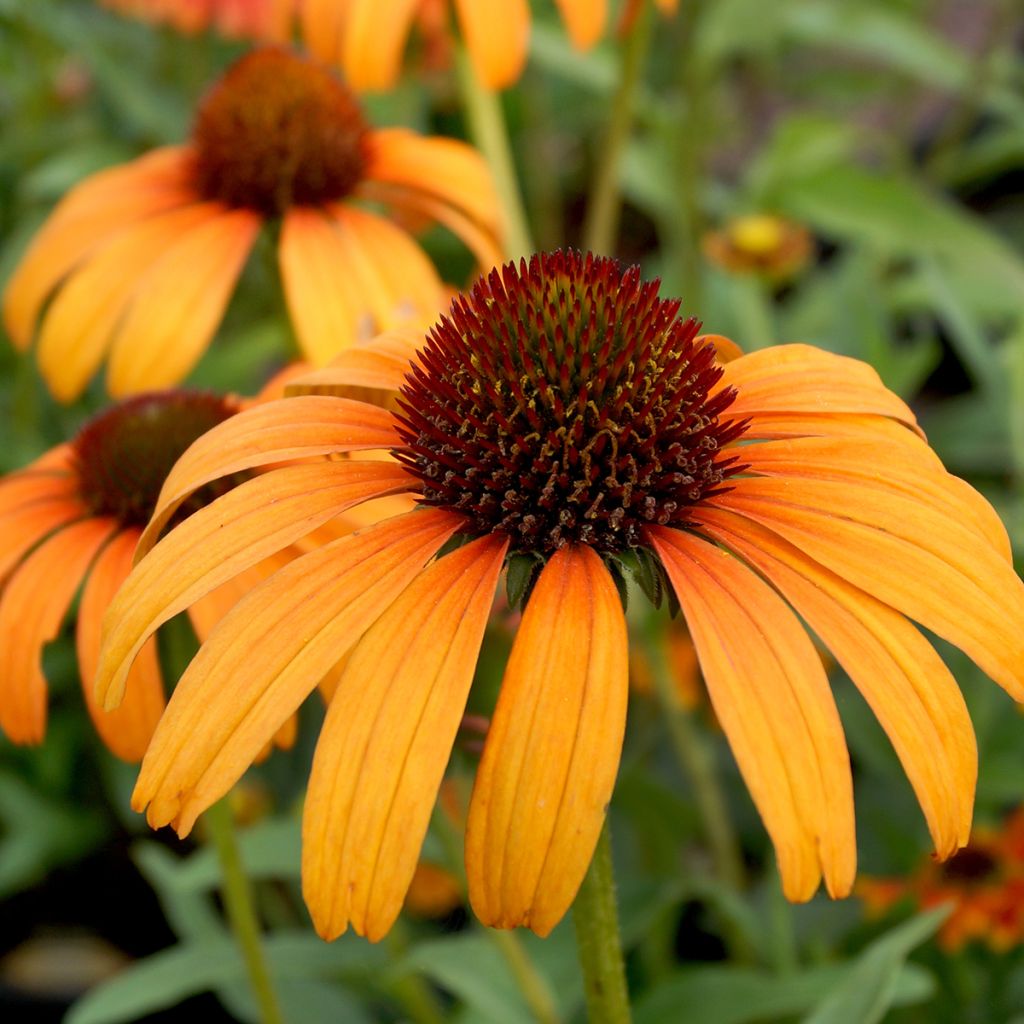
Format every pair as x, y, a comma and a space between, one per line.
368, 37
139, 261
563, 410
760, 244
984, 882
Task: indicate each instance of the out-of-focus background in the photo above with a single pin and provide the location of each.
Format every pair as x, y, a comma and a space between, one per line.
848, 173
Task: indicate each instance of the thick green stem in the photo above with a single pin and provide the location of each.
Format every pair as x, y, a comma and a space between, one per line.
490, 135
602, 224
596, 918
237, 894
416, 996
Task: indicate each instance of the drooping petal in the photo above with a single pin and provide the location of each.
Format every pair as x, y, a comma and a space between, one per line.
89, 216
322, 24
323, 302
32, 608
770, 693
904, 681
81, 322
24, 527
127, 729
447, 169
179, 305
931, 567
803, 379
238, 530
29, 487
497, 37
553, 749
374, 40
290, 428
901, 469
363, 371
386, 740
267, 655
584, 20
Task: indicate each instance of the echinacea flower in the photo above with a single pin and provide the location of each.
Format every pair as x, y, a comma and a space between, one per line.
70, 522
564, 413
368, 37
983, 882
139, 261
761, 244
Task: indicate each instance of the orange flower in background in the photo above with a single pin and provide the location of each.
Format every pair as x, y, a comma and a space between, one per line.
367, 38
562, 409
760, 244
984, 882
138, 263
71, 520
682, 663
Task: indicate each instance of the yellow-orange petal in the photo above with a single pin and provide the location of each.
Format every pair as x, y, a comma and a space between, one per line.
127, 730
771, 695
180, 303
32, 608
903, 469
553, 748
28, 487
25, 526
395, 281
324, 304
266, 656
374, 40
803, 379
82, 319
386, 740
89, 216
725, 348
497, 37
584, 20
241, 528
446, 169
363, 371
902, 678
931, 567
322, 24
290, 428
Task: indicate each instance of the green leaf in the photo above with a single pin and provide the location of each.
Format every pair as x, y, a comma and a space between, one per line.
270, 849
868, 991
520, 576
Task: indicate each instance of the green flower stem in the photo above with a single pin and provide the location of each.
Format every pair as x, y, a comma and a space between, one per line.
415, 995
601, 226
596, 918
489, 133
241, 909
531, 983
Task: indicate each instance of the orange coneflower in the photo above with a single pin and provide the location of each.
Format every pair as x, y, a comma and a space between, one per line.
762, 244
70, 521
984, 883
368, 37
564, 413
141, 260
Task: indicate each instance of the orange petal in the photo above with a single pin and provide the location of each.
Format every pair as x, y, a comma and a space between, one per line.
397, 280
924, 563
802, 379
374, 40
584, 20
909, 470
552, 752
386, 740
726, 350
27, 487
363, 371
32, 608
905, 682
290, 428
179, 305
497, 37
128, 729
446, 169
89, 216
82, 318
770, 693
267, 655
323, 301
238, 530
24, 527
322, 24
